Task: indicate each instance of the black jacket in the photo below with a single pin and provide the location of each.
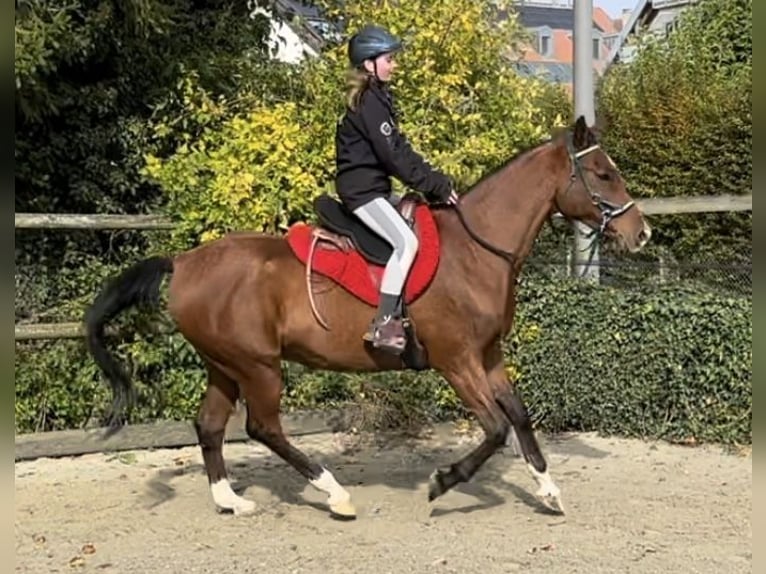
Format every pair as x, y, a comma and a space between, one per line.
369, 149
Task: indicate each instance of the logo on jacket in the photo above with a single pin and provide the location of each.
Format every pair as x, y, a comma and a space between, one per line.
385, 129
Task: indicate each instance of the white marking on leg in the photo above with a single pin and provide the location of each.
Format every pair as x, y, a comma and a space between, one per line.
548, 493
327, 483
225, 497
545, 482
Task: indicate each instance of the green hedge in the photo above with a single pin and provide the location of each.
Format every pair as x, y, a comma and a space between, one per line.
660, 363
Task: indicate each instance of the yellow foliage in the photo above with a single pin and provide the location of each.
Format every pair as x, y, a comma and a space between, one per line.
463, 107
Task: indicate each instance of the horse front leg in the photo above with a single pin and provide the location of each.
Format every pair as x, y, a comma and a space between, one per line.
510, 401
472, 386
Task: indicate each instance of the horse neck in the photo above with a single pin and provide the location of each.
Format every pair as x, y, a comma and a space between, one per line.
509, 208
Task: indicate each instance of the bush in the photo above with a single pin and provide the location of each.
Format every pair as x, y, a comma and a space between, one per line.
662, 364
58, 386
659, 364
678, 119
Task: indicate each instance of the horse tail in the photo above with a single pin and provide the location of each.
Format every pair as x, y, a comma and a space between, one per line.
139, 285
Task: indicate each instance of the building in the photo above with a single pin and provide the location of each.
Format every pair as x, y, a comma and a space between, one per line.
300, 32
550, 53
658, 17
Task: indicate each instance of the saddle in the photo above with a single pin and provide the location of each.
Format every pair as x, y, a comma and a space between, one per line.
339, 226
341, 248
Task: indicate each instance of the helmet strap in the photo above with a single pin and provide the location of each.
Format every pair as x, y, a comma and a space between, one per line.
374, 73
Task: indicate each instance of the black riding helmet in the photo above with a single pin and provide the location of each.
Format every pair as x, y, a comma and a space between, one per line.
369, 43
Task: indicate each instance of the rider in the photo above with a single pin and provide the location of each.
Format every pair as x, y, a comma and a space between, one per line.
369, 150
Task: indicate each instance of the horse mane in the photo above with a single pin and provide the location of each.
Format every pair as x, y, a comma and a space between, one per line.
519, 155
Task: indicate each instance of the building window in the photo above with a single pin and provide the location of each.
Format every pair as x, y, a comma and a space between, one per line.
596, 48
545, 45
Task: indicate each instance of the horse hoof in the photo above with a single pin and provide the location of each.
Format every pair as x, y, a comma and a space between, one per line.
435, 485
242, 507
343, 510
551, 502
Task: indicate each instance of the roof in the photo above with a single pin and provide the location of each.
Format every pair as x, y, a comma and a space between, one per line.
604, 22
554, 71
560, 18
536, 16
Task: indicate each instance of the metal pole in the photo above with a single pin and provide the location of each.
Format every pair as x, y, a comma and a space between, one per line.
584, 106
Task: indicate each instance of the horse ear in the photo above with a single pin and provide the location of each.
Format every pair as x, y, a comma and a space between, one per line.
581, 132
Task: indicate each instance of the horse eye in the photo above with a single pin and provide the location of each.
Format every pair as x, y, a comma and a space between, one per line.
605, 176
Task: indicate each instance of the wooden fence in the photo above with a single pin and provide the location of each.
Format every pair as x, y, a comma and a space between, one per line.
166, 434
654, 206
74, 330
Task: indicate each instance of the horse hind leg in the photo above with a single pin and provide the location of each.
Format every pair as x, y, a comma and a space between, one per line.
220, 397
262, 392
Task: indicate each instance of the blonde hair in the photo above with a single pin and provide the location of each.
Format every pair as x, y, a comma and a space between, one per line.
357, 81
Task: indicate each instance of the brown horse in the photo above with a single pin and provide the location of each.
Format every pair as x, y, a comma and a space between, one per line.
242, 301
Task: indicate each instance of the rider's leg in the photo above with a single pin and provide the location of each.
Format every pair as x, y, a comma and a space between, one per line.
382, 218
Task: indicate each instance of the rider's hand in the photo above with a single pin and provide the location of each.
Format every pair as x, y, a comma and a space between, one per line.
453, 198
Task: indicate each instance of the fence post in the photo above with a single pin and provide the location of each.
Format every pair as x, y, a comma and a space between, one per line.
584, 106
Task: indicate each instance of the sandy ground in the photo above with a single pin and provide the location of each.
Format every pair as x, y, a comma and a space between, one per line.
631, 507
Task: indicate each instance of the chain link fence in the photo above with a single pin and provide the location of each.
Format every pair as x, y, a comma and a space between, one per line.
724, 267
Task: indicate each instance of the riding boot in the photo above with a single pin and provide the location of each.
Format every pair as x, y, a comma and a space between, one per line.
386, 331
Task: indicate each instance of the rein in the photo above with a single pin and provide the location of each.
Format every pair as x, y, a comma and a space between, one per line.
609, 210
503, 254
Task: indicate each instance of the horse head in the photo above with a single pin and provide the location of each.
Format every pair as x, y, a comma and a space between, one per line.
594, 192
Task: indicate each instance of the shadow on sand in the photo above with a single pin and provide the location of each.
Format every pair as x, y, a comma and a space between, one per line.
395, 463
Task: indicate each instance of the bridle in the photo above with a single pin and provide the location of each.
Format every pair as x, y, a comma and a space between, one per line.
608, 209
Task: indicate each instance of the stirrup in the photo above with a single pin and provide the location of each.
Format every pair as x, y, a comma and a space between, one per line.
387, 334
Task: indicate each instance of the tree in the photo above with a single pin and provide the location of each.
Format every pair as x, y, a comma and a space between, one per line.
678, 122
91, 77
90, 74
462, 105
